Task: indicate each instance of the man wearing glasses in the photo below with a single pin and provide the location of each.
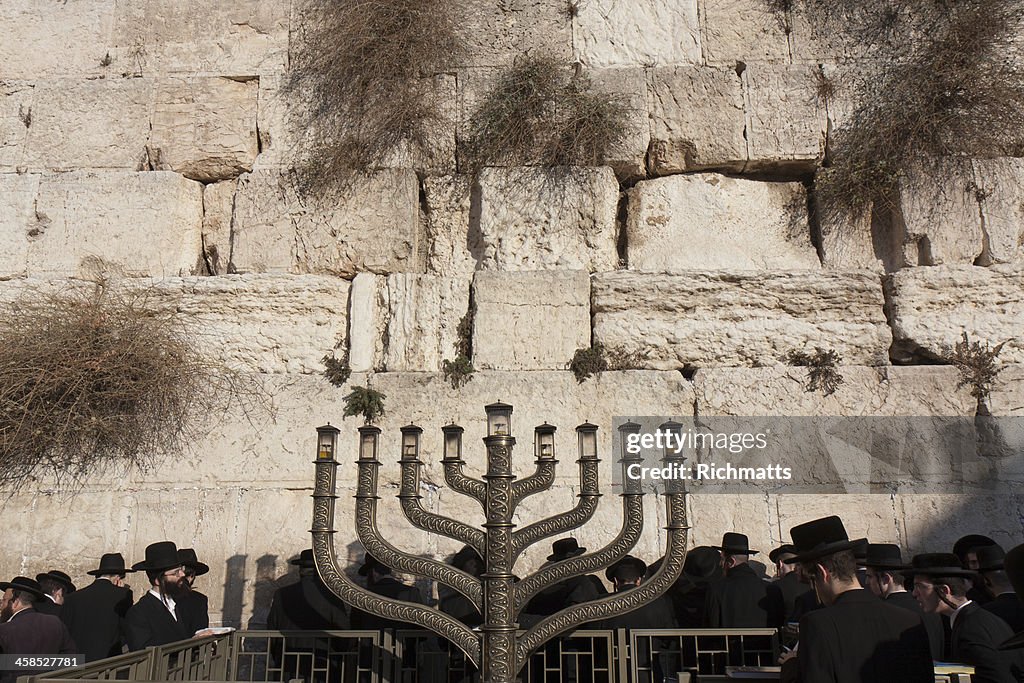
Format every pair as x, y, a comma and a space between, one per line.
153, 620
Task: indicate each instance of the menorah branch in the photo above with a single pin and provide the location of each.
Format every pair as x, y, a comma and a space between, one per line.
559, 524
539, 481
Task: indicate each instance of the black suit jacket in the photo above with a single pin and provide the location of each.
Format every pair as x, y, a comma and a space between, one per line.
932, 622
743, 600
32, 633
95, 615
861, 639
149, 622
391, 588
977, 634
791, 588
1008, 608
655, 614
307, 605
47, 606
193, 611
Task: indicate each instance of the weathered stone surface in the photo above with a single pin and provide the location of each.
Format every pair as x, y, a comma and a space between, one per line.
852, 241
741, 31
33, 48
538, 219
786, 118
497, 33
1001, 196
711, 221
628, 158
931, 308
373, 226
938, 216
238, 39
204, 128
16, 98
81, 124
452, 249
405, 322
1008, 393
713, 514
697, 119
17, 217
218, 202
530, 321
933, 522
646, 33
870, 516
887, 390
740, 318
109, 215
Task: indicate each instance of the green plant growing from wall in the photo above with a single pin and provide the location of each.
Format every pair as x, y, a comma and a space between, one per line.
587, 362
822, 369
978, 367
458, 371
366, 402
336, 370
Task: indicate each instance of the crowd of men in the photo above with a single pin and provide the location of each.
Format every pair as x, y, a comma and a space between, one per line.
848, 610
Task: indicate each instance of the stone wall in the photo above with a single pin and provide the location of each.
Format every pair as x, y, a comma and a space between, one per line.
158, 135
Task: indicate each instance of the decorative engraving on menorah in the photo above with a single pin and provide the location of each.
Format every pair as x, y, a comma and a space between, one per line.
498, 649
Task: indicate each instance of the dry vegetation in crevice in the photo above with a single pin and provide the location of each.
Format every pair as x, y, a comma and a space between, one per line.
944, 81
538, 114
104, 375
365, 76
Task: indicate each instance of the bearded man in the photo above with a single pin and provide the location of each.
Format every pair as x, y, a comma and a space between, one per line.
154, 619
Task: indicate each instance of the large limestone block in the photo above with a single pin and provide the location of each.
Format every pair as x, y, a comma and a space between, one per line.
697, 119
609, 33
82, 124
1008, 393
931, 308
17, 220
742, 31
786, 117
711, 221
851, 240
938, 216
372, 225
737, 318
1001, 194
109, 215
713, 514
530, 320
238, 38
628, 157
204, 128
871, 516
539, 219
34, 47
496, 33
933, 522
16, 99
405, 322
452, 248
218, 203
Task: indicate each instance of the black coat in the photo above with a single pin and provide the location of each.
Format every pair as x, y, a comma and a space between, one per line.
743, 600
193, 609
861, 639
32, 633
977, 634
307, 605
95, 615
47, 606
655, 614
149, 622
791, 588
688, 598
389, 587
1008, 608
932, 622
572, 591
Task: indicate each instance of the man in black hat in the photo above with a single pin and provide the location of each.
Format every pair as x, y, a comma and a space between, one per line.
153, 620
1013, 565
855, 638
742, 599
454, 603
563, 594
941, 585
688, 594
627, 574
965, 549
56, 587
379, 580
24, 630
1004, 603
884, 567
787, 580
95, 615
193, 606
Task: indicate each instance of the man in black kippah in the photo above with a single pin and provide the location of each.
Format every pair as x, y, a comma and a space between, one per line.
855, 638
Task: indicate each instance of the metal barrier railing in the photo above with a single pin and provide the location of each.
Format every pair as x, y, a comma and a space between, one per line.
592, 656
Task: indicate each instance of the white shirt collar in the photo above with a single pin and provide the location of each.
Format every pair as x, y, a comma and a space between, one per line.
50, 597
952, 617
167, 601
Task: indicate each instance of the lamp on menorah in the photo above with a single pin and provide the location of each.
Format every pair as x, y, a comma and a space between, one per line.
498, 649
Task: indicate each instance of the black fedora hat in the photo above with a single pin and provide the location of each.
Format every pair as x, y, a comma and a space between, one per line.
110, 563
23, 583
965, 544
188, 558
784, 549
990, 558
735, 544
820, 537
466, 554
883, 556
702, 564
160, 556
564, 548
1013, 565
938, 564
60, 577
304, 559
640, 565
